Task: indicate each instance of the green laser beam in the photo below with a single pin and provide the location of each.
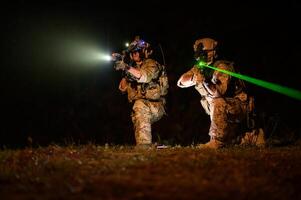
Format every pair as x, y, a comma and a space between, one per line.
296, 94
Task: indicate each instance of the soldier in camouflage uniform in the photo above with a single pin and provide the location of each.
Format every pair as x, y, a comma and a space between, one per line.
223, 98
145, 89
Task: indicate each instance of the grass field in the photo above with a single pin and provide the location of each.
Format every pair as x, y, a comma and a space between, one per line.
121, 172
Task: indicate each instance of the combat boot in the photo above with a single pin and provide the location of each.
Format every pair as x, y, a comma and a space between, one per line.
254, 138
260, 142
212, 144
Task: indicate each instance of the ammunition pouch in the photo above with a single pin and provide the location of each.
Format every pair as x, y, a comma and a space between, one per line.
152, 91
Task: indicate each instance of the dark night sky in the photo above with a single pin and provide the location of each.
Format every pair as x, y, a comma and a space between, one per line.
52, 90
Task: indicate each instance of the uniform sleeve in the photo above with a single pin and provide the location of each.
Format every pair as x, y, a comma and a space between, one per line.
149, 71
196, 78
221, 79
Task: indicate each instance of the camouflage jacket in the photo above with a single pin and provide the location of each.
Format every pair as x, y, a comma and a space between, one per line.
226, 86
147, 87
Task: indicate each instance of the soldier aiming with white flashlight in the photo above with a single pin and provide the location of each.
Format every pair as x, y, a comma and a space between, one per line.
146, 84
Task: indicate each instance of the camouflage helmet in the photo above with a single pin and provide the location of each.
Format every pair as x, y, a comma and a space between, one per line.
206, 43
204, 49
139, 45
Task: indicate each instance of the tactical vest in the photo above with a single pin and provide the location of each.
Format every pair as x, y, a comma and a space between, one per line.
154, 90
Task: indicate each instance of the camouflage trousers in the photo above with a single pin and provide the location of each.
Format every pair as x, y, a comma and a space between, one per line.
144, 114
227, 116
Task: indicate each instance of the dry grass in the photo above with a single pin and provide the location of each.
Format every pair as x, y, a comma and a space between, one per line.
98, 172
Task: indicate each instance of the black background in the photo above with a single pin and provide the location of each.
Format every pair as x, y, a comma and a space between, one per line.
53, 101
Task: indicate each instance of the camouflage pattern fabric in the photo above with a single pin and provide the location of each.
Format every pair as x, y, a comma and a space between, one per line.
225, 116
144, 114
145, 87
226, 113
148, 104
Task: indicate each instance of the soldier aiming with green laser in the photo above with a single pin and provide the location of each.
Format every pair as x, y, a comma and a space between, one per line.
223, 97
